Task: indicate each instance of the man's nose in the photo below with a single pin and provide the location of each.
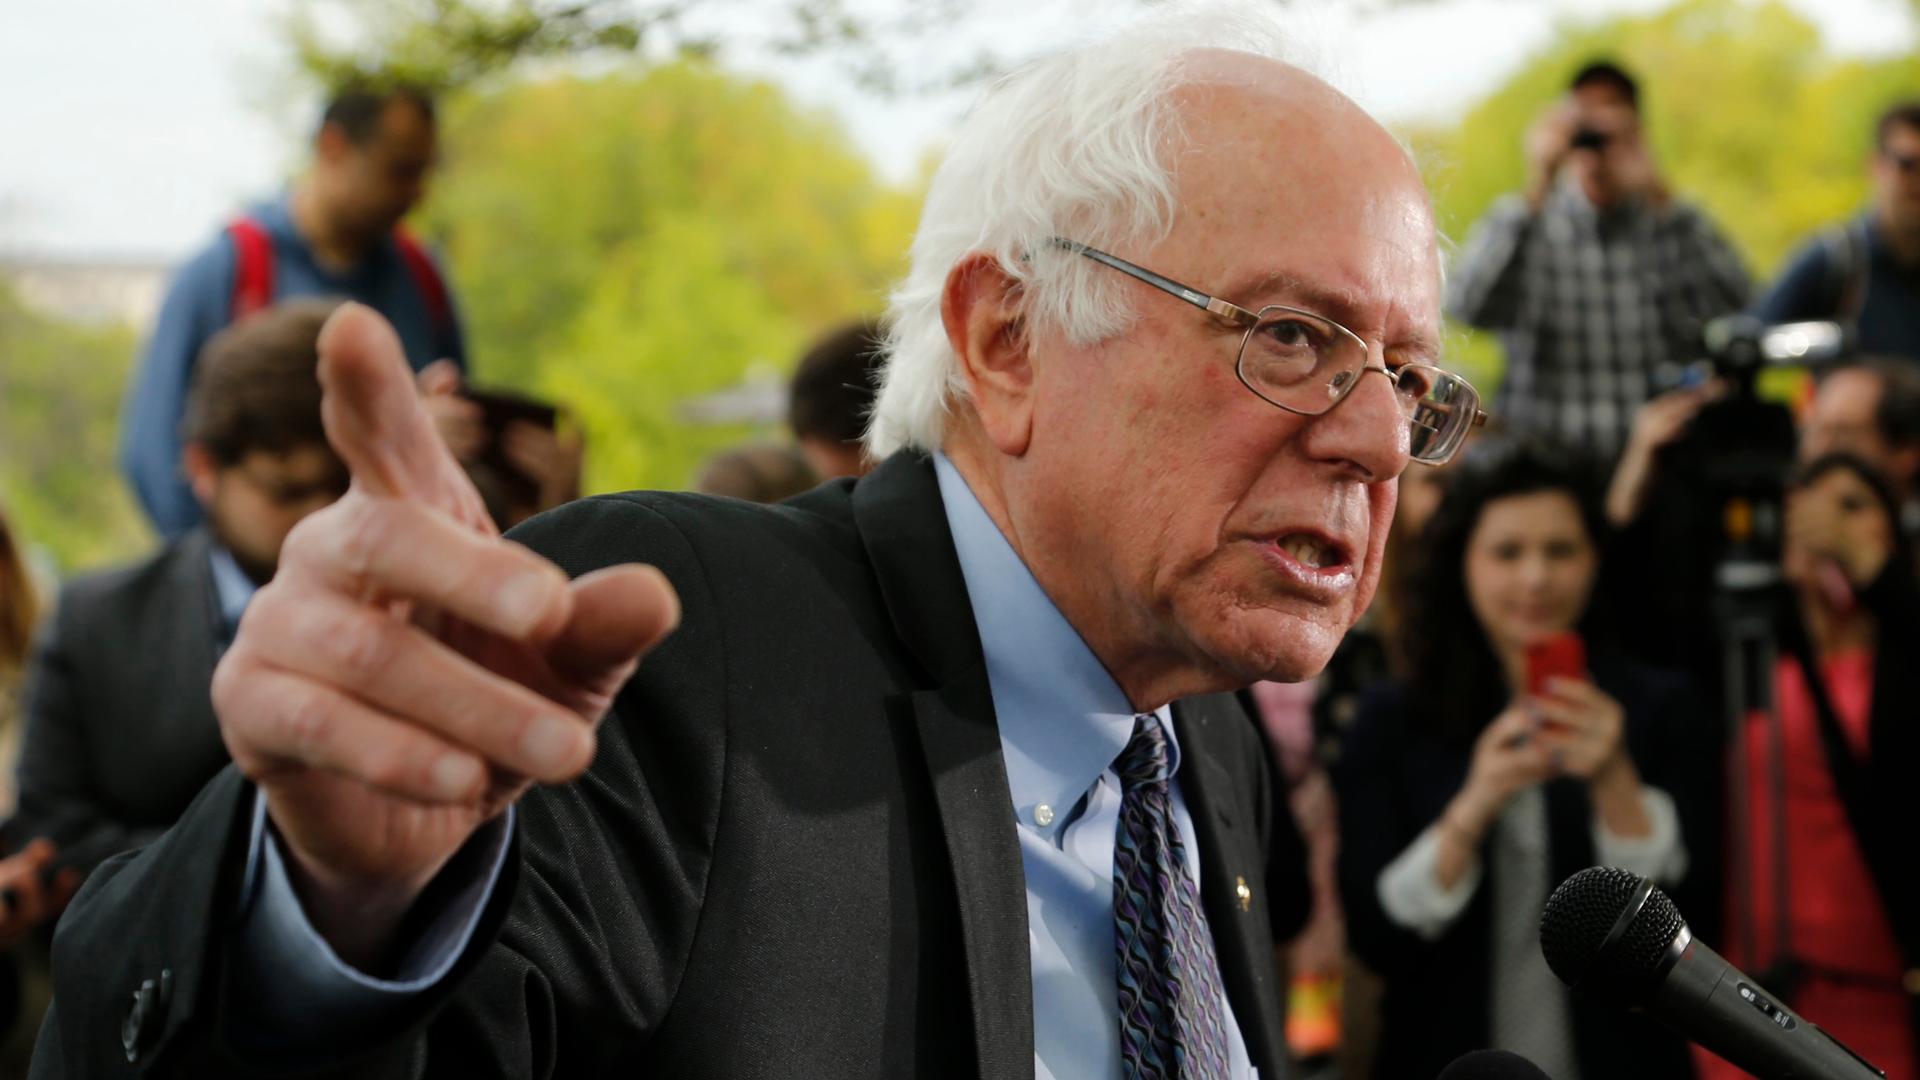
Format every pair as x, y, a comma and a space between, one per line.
1367, 429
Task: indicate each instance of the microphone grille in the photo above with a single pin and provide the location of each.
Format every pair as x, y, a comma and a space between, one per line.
1635, 958
1580, 914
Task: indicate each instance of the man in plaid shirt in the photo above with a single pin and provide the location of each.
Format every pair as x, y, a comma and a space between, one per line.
1595, 276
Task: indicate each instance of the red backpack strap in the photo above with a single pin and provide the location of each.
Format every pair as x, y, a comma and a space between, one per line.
426, 278
252, 267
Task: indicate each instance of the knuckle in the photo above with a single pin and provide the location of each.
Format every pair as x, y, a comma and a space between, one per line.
363, 645
359, 537
228, 681
304, 721
303, 540
393, 769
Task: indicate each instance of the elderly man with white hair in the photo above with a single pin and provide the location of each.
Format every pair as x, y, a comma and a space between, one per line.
932, 774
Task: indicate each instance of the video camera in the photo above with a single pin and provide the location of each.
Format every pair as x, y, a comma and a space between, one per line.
1740, 345
1739, 448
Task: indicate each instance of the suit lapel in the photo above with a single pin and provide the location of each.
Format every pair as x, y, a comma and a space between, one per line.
903, 526
1233, 875
962, 747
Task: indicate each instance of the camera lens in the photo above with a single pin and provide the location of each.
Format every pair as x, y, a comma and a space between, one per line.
1589, 139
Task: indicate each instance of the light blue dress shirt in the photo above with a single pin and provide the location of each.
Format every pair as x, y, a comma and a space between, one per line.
1063, 721
232, 588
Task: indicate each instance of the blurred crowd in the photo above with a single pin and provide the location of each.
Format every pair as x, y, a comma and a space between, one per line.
1660, 617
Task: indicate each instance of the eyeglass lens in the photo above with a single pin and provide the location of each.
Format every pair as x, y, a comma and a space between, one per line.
1307, 364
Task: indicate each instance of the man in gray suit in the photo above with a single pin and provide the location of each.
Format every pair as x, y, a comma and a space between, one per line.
120, 727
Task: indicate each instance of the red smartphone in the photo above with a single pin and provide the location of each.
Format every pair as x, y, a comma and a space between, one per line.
1556, 656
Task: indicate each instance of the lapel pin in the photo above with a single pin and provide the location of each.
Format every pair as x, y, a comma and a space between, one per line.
1245, 894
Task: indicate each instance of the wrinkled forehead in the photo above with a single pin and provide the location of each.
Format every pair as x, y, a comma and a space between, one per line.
1281, 177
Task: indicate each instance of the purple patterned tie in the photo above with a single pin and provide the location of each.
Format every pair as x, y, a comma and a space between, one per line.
1171, 1023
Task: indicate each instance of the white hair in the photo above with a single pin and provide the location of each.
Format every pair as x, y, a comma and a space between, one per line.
1073, 145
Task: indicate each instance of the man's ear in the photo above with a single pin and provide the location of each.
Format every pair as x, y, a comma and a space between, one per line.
986, 327
202, 471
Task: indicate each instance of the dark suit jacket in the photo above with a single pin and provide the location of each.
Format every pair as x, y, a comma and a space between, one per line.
1395, 777
794, 854
120, 730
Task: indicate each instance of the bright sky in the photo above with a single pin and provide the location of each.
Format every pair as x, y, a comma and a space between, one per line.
133, 128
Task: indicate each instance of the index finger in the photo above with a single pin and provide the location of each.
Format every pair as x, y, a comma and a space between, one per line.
377, 424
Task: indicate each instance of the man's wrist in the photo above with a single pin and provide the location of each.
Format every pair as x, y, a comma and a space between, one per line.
359, 921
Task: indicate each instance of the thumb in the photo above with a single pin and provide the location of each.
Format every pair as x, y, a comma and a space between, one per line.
619, 613
377, 424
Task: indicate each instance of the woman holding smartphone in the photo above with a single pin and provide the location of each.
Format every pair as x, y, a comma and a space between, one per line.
1470, 789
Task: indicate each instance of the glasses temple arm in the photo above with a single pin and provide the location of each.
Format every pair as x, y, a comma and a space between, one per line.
1195, 297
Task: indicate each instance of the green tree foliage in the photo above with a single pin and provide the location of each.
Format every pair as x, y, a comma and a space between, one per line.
1748, 112
459, 44
627, 242
451, 44
59, 406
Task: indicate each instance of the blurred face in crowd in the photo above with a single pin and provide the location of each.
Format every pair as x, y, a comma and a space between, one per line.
1896, 179
1845, 416
1197, 536
368, 187
829, 458
1530, 567
252, 504
1605, 109
1835, 515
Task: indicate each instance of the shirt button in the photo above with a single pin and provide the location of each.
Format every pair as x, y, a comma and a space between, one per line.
1043, 815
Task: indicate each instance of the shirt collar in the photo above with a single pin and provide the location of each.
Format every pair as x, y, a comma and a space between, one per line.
1063, 720
276, 216
231, 586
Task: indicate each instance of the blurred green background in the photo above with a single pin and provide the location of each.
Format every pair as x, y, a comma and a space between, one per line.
659, 228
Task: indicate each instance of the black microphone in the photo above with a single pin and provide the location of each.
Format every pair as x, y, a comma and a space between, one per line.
1492, 1065
1611, 935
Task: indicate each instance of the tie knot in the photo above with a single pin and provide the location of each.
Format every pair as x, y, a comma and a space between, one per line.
1145, 759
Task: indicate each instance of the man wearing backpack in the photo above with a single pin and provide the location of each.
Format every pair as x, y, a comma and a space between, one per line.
336, 233
1866, 272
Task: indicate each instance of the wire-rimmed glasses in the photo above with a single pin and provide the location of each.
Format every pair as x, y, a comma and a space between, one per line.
1306, 363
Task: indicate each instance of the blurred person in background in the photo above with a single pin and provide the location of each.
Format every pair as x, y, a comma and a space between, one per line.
1869, 407
1847, 953
23, 890
830, 397
335, 233
1324, 968
828, 402
1669, 513
1466, 794
19, 611
120, 730
756, 472
1596, 274
524, 455
1866, 272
